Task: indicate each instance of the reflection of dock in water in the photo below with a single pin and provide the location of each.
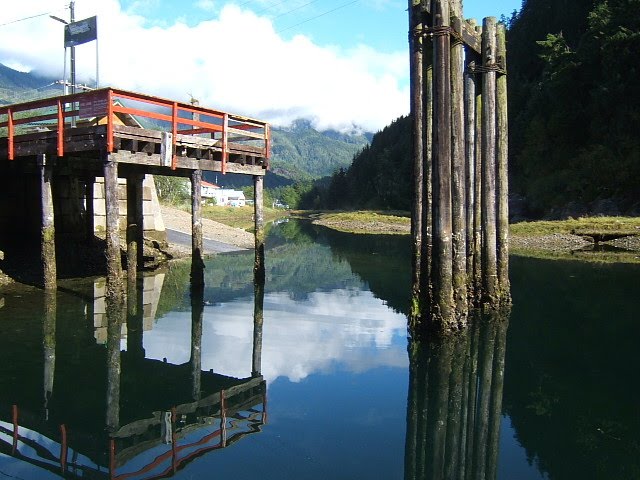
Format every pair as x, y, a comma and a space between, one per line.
86, 409
151, 290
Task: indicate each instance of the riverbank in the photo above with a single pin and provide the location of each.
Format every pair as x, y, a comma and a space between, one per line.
602, 239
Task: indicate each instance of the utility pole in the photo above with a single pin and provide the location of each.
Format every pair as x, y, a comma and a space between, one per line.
72, 7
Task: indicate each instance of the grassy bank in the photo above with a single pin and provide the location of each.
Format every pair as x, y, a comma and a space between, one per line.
238, 217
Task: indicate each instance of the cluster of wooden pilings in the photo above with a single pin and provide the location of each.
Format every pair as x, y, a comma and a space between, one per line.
460, 217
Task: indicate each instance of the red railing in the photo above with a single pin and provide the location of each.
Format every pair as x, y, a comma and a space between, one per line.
60, 113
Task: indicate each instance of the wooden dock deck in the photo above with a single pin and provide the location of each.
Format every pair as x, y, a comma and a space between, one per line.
158, 134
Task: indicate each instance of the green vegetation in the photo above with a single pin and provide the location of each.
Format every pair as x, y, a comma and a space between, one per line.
240, 217
599, 225
378, 178
574, 102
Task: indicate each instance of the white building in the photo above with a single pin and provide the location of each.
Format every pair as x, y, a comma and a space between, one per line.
224, 197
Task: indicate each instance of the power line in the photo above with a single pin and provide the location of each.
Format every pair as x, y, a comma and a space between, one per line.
294, 9
28, 18
271, 6
318, 16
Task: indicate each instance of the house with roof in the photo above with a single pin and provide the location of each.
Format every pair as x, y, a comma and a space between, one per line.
224, 197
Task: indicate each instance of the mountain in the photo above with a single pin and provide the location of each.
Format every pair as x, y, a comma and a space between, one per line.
299, 152
18, 86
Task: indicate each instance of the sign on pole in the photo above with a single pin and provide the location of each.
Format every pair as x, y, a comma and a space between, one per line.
83, 31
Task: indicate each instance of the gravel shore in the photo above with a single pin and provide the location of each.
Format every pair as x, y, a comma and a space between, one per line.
180, 221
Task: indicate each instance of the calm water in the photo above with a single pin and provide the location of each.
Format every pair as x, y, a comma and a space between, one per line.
313, 378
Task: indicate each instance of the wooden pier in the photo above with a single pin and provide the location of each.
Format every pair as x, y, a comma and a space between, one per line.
113, 133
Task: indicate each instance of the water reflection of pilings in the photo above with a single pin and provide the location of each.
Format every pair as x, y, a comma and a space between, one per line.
49, 346
454, 404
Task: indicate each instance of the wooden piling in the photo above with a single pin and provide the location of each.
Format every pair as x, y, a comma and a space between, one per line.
477, 207
442, 281
489, 260
417, 116
458, 170
114, 263
258, 206
502, 161
427, 170
197, 259
470, 152
48, 230
135, 228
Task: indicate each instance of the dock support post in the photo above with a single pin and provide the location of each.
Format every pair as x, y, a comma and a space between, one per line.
458, 170
197, 261
502, 160
135, 227
258, 205
417, 116
470, 152
489, 267
48, 231
89, 194
114, 262
442, 274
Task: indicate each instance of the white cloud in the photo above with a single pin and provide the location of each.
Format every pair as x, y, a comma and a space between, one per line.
346, 329
206, 5
235, 62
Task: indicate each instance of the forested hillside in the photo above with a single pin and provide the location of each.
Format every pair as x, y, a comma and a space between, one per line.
574, 107
301, 152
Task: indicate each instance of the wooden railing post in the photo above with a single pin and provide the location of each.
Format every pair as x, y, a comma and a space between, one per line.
10, 134
225, 133
60, 142
174, 134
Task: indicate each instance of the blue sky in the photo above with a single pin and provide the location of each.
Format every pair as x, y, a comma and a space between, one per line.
340, 63
378, 23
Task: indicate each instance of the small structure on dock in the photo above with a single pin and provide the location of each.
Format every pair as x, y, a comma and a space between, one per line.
66, 142
460, 218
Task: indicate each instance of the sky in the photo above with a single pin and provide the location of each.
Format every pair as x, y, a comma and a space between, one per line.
342, 64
